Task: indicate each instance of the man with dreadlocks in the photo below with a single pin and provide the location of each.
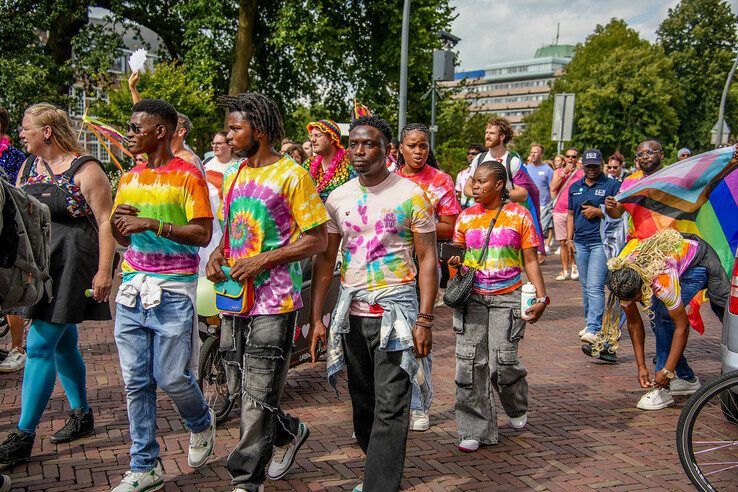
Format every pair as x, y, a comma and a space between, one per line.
663, 272
329, 167
273, 219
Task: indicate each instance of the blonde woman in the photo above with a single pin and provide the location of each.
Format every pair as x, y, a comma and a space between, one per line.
77, 192
663, 273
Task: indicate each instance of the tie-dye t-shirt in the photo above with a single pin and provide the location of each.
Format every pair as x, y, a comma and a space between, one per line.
438, 187
270, 207
666, 285
377, 225
176, 193
513, 232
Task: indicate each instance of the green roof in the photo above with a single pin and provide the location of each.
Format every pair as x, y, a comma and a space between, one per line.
559, 50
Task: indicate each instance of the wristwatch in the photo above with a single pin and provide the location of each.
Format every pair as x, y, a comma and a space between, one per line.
545, 300
669, 374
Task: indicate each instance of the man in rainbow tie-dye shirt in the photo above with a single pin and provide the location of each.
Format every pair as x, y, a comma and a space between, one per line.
162, 215
273, 219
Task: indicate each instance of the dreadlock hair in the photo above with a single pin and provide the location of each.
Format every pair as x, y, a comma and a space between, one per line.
377, 122
500, 173
505, 127
630, 275
260, 111
416, 127
160, 109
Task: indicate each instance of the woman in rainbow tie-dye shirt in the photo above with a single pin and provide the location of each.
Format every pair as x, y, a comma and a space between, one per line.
490, 326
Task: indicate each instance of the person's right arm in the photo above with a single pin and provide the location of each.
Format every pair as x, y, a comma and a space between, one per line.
322, 277
132, 85
570, 232
637, 337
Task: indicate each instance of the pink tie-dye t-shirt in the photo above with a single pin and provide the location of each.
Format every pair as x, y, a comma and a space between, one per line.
438, 186
377, 224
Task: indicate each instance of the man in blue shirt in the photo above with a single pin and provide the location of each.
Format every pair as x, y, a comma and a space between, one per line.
542, 175
584, 240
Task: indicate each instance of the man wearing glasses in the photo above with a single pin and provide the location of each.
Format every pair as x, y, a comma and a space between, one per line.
461, 178
563, 179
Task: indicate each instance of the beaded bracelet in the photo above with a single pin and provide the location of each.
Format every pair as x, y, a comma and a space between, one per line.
429, 317
424, 325
161, 226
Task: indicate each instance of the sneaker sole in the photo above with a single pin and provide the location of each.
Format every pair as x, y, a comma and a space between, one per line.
294, 455
610, 359
657, 407
419, 428
53, 440
467, 450
153, 487
684, 392
5, 370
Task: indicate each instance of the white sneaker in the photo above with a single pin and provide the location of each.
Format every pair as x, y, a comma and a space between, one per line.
519, 422
547, 249
682, 387
142, 481
558, 251
574, 273
468, 445
439, 298
588, 337
202, 443
278, 469
563, 276
13, 362
419, 421
656, 399
582, 332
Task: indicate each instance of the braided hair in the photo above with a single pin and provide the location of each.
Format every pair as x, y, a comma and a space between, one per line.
260, 111
500, 173
630, 275
416, 127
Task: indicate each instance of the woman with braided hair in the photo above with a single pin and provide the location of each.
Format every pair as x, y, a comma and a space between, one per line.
491, 325
663, 273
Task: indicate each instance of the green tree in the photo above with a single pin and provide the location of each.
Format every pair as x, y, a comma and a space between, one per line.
699, 36
625, 92
457, 130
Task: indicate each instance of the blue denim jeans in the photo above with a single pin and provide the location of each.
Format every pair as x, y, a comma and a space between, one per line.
691, 282
592, 265
415, 403
154, 348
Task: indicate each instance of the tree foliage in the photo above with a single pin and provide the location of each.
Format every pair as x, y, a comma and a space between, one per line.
625, 92
457, 130
699, 37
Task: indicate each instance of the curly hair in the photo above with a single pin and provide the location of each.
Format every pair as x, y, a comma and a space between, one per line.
506, 129
631, 274
416, 127
260, 111
160, 109
377, 122
500, 173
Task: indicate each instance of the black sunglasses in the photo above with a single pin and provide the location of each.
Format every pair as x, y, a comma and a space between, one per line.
571, 156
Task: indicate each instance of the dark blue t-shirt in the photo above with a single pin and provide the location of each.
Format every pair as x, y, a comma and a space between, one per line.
588, 231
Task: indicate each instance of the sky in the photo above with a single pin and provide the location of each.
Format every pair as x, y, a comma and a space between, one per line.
494, 31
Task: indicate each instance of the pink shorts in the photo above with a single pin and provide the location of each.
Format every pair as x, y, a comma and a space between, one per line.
560, 225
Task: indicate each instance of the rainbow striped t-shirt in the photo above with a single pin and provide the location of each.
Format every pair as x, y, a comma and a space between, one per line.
513, 231
270, 207
175, 192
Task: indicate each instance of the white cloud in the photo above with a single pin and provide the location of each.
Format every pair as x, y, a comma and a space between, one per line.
504, 30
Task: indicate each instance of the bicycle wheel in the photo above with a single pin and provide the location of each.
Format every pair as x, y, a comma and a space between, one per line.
212, 379
707, 435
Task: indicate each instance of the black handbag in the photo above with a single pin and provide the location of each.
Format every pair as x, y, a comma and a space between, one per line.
459, 288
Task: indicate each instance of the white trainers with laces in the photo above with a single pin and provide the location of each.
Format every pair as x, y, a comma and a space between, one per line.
582, 332
280, 468
682, 387
656, 399
13, 362
142, 481
574, 273
201, 444
519, 422
468, 445
439, 298
563, 276
588, 337
419, 421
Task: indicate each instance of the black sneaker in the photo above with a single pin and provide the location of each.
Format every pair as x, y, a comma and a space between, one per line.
16, 448
78, 424
604, 356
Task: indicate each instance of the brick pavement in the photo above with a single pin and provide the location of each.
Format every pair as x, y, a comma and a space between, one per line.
583, 431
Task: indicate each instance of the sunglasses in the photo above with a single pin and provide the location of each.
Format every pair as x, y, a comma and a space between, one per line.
613, 167
135, 129
571, 156
648, 152
472, 153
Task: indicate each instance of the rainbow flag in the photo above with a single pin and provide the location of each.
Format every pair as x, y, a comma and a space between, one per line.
698, 195
106, 133
360, 110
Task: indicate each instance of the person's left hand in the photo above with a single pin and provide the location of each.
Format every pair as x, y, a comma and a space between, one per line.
454, 262
247, 268
131, 224
101, 285
660, 380
534, 312
423, 339
591, 212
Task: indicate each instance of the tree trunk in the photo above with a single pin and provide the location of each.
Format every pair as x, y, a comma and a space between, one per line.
70, 21
244, 47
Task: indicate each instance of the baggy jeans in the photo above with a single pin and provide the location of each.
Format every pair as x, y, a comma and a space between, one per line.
488, 330
154, 348
380, 397
256, 355
592, 265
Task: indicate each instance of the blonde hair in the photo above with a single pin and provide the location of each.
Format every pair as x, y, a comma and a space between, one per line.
45, 114
647, 260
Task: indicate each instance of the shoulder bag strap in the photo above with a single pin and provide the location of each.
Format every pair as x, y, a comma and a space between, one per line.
226, 213
509, 171
483, 255
27, 168
70, 194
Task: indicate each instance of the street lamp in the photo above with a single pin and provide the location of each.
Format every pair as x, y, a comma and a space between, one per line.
443, 70
721, 122
403, 66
